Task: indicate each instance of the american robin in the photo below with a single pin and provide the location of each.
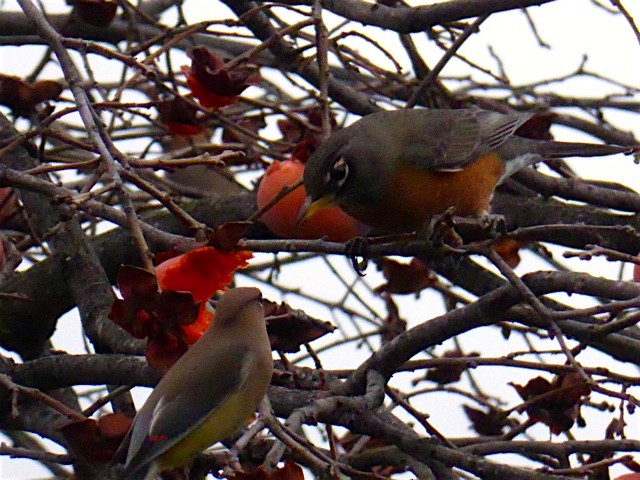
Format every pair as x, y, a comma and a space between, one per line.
397, 170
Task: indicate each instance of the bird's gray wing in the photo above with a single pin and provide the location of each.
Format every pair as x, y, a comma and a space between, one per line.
449, 140
173, 416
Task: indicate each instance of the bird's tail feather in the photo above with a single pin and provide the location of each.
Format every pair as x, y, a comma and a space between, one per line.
551, 149
522, 152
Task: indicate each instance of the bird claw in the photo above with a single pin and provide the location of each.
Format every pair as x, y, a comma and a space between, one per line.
440, 230
358, 247
494, 225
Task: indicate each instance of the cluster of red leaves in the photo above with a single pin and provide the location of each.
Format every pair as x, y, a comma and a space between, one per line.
98, 13
289, 471
213, 82
289, 328
170, 308
97, 441
556, 403
23, 97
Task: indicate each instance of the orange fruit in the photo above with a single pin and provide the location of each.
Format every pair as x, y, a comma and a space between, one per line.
282, 218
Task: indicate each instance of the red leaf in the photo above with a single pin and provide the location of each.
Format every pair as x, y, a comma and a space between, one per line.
201, 272
173, 314
213, 83
180, 117
165, 348
145, 312
195, 330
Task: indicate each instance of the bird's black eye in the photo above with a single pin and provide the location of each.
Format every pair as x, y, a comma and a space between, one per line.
339, 173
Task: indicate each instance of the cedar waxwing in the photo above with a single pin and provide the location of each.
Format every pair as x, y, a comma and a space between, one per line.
209, 393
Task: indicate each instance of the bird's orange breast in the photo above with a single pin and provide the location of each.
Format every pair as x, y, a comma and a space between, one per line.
416, 195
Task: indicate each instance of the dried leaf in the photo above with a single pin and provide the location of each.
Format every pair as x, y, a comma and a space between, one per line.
8, 204
226, 236
559, 404
114, 425
403, 279
449, 373
307, 136
289, 328
393, 325
537, 127
180, 117
10, 257
23, 97
144, 311
486, 423
97, 442
253, 123
98, 13
509, 250
165, 348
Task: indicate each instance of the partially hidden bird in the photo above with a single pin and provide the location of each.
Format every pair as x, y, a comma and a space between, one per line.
208, 394
396, 170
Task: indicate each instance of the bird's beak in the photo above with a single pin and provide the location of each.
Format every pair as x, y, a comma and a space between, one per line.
310, 207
